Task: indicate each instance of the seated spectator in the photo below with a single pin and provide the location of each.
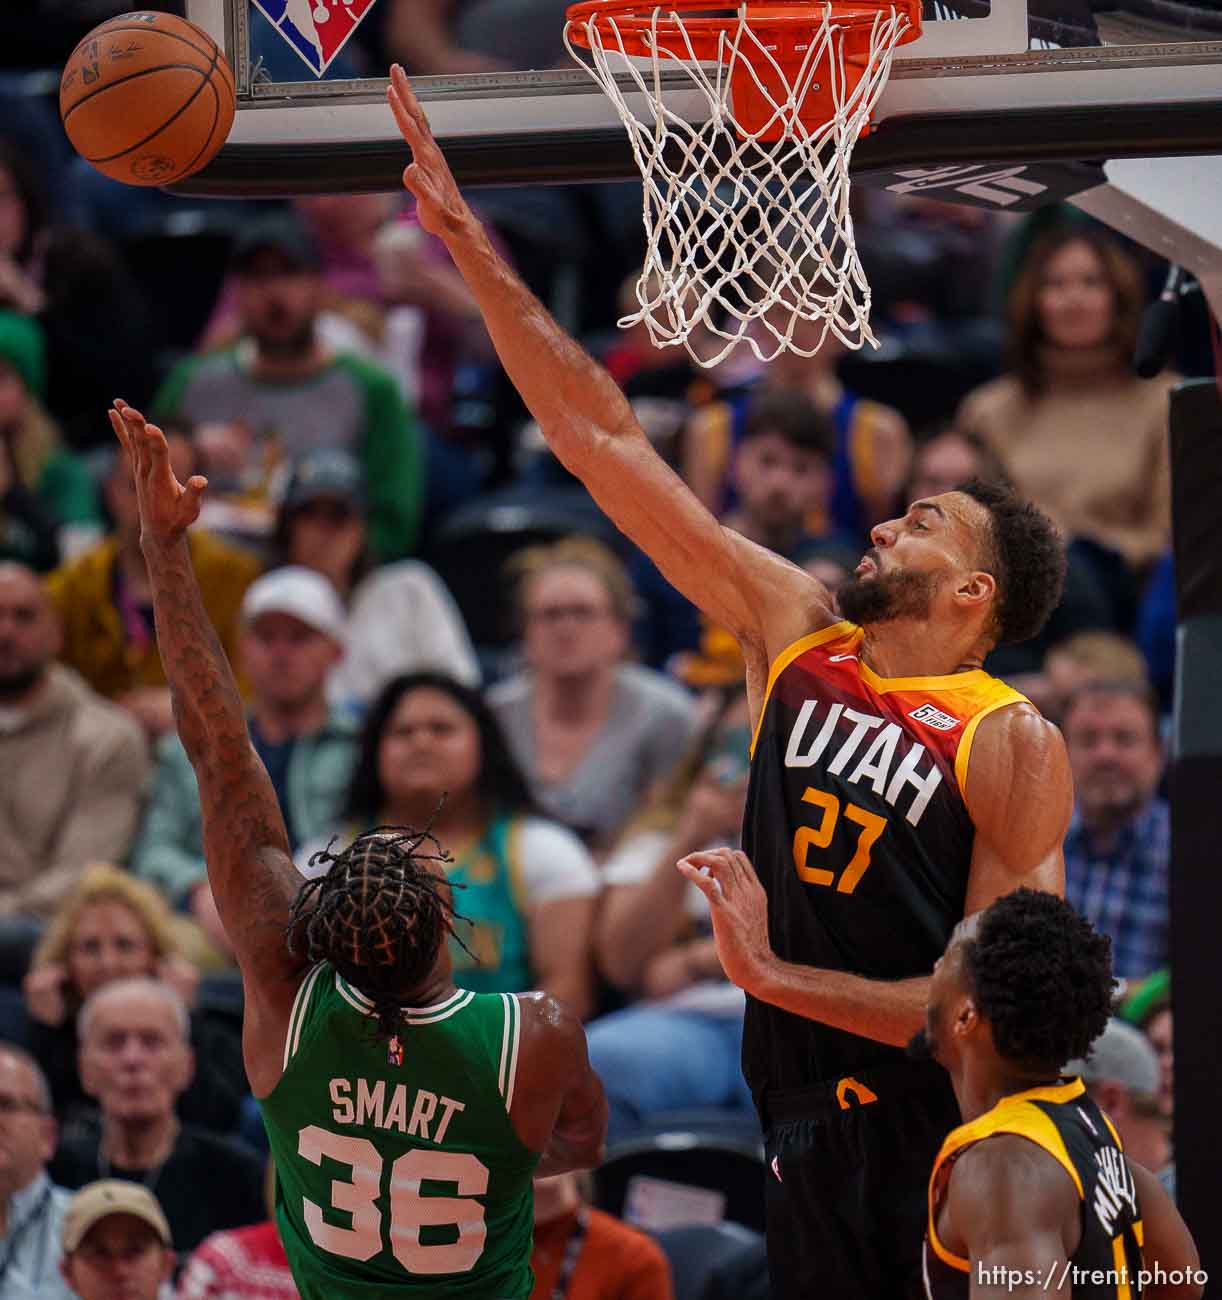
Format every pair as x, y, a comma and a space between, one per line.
392, 286
22, 232
1071, 399
117, 1243
591, 731
73, 283
1087, 657
103, 598
74, 769
431, 755
281, 391
113, 927
136, 1061
292, 637
1119, 840
401, 617
48, 501
31, 1206
586, 1254
1148, 1006
782, 477
1121, 1074
241, 1263
680, 1045
873, 448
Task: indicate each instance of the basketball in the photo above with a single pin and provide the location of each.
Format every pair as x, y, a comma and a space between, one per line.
147, 98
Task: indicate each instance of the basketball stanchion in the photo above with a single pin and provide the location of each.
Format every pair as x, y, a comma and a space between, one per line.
746, 210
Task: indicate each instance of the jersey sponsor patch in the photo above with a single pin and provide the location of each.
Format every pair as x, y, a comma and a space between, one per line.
935, 718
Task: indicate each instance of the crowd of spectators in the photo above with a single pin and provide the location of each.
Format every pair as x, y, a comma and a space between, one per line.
334, 382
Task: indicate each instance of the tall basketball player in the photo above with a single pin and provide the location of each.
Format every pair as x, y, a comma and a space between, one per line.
895, 786
407, 1118
1032, 1195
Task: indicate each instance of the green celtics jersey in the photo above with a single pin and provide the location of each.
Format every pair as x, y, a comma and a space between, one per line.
399, 1173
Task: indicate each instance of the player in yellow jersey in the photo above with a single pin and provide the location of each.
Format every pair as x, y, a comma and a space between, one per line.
1032, 1195
895, 786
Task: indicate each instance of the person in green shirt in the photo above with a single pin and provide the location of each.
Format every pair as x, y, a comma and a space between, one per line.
406, 1117
281, 390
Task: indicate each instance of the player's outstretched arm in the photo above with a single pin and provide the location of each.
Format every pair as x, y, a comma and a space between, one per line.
765, 601
1168, 1250
245, 841
559, 1106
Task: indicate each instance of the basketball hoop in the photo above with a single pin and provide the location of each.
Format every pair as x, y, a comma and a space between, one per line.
747, 210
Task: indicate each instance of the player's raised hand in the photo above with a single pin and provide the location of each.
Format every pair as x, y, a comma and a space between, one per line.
739, 910
439, 203
167, 507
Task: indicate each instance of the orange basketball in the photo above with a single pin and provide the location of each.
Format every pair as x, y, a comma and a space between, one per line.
147, 98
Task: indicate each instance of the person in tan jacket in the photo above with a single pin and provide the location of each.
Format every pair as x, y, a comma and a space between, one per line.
1076, 430
74, 770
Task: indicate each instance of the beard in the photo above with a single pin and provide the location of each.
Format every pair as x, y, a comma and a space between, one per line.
285, 345
885, 596
921, 1046
15, 685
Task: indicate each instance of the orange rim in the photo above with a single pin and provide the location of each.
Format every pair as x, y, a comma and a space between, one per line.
631, 22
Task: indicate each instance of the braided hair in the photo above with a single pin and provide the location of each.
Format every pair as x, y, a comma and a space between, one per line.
379, 915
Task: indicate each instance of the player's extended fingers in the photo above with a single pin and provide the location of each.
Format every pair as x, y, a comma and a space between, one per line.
406, 108
703, 879
120, 428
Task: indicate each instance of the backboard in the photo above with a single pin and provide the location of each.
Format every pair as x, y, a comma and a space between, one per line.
989, 85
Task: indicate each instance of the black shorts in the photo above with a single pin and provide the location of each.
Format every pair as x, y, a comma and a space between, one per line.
847, 1181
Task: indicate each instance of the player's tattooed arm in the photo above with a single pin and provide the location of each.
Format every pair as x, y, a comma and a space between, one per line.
245, 841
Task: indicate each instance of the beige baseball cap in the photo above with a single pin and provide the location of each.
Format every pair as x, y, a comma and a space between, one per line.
99, 1200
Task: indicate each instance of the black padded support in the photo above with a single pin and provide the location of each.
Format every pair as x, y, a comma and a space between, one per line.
1046, 134
1196, 781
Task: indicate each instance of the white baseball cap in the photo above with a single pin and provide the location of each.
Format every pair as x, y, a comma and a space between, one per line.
298, 591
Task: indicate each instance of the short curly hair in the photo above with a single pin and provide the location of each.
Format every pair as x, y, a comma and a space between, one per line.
1041, 975
1026, 555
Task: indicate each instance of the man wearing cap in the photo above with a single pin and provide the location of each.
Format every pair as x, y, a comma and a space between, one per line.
31, 1206
401, 617
116, 1243
281, 391
1122, 1074
292, 637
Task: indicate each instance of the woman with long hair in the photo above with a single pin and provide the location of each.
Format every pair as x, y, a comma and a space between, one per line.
1076, 430
432, 757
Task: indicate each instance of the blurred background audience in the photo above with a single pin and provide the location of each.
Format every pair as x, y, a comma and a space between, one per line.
378, 499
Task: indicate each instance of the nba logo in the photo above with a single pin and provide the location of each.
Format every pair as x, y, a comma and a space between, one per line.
316, 29
394, 1052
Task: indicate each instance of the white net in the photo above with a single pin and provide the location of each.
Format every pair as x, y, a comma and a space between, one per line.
748, 229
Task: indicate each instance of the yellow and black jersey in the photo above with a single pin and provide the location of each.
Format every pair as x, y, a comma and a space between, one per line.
857, 826
1066, 1123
